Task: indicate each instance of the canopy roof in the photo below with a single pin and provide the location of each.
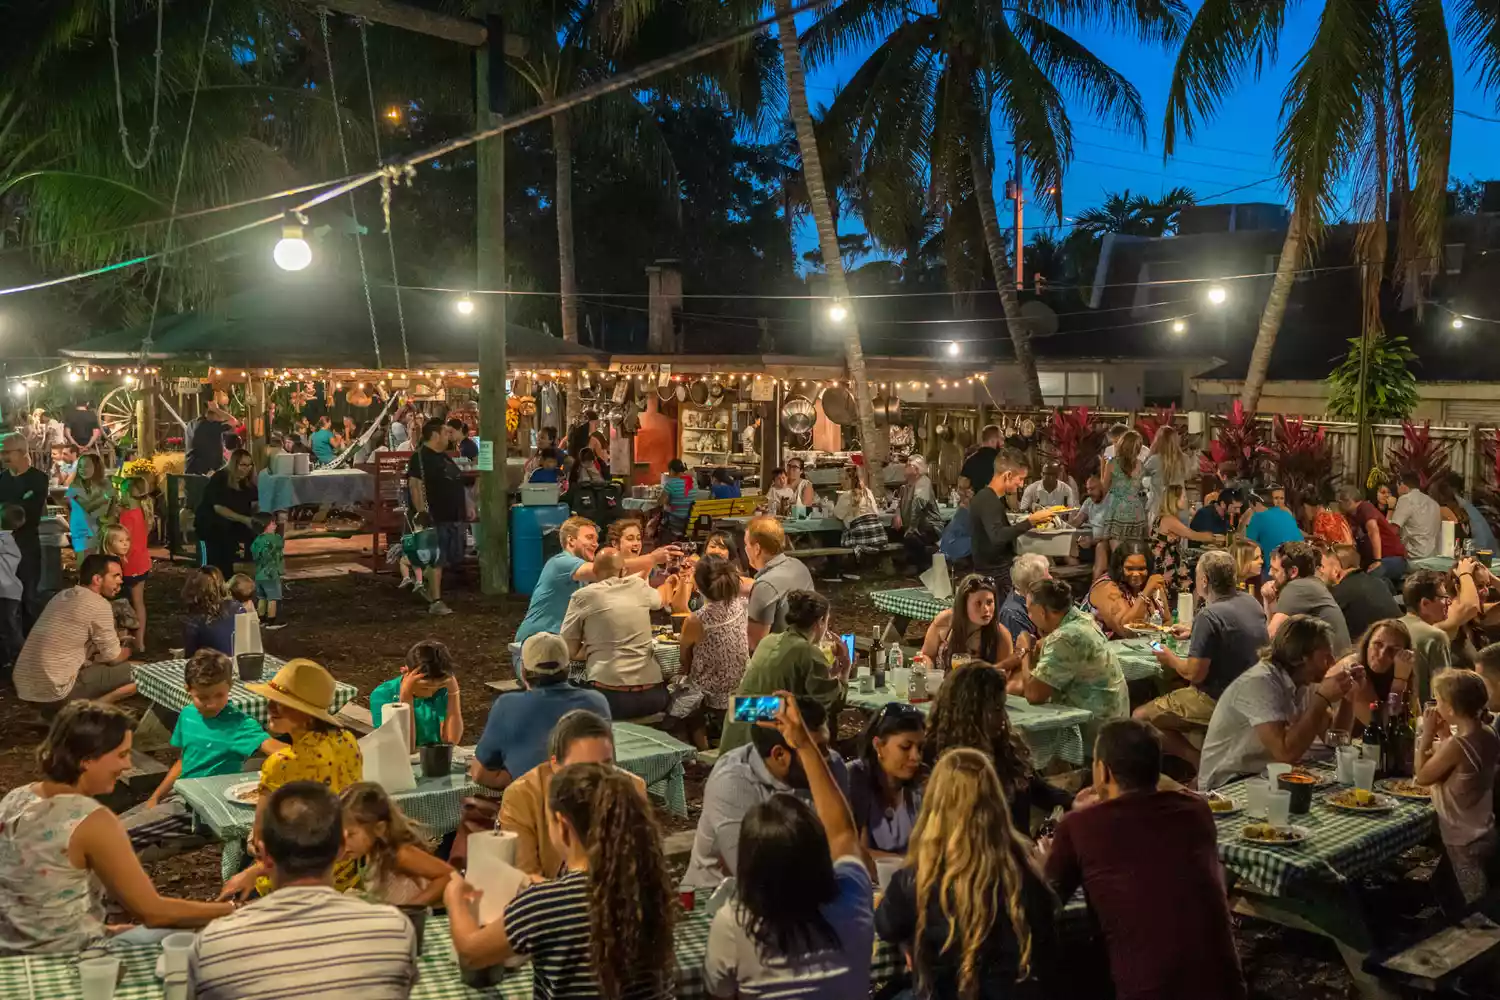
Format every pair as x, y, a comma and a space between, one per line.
313, 322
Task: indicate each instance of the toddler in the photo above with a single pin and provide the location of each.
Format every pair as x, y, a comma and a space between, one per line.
268, 551
242, 593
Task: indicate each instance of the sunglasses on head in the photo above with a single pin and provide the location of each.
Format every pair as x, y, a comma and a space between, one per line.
898, 709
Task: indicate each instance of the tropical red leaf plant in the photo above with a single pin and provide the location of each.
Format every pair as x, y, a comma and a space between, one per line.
1239, 441
1149, 424
1075, 441
1418, 452
1301, 458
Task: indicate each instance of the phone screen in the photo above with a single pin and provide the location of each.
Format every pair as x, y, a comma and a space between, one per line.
1156, 645
756, 707
848, 638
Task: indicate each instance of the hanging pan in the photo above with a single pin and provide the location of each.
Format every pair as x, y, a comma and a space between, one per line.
698, 393
798, 415
838, 406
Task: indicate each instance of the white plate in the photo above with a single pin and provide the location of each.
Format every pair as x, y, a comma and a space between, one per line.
1382, 804
1235, 806
1386, 787
233, 791
1299, 834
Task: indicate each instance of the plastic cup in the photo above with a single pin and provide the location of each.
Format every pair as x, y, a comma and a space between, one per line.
436, 759
1364, 774
97, 977
1274, 771
174, 986
1255, 796
1279, 808
174, 950
1346, 757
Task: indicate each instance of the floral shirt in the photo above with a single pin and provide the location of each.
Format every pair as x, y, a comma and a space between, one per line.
47, 906
331, 758
720, 656
1077, 663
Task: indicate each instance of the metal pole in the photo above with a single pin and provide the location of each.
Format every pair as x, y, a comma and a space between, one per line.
494, 489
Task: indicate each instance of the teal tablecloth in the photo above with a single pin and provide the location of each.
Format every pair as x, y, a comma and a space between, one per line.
162, 683
1137, 661
1051, 731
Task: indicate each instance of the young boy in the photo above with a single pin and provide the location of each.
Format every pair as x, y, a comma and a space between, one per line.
214, 737
268, 551
546, 467
427, 683
242, 592
12, 516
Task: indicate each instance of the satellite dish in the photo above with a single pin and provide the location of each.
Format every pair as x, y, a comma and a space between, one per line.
1038, 318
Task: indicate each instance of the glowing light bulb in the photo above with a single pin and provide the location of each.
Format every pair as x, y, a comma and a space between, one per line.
1217, 294
292, 252
465, 306
953, 349
1458, 322
1179, 326
838, 312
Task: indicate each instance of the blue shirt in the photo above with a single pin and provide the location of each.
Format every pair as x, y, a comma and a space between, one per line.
1014, 617
549, 600
515, 735
428, 714
216, 746
1270, 527
199, 632
957, 541
725, 491
322, 445
1479, 529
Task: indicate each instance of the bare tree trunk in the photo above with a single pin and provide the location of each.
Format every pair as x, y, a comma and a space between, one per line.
1005, 282
562, 151
875, 448
1270, 319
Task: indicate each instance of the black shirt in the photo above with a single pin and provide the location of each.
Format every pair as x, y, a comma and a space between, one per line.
220, 493
29, 491
994, 537
205, 454
1364, 600
979, 468
443, 483
469, 448
1210, 520
81, 424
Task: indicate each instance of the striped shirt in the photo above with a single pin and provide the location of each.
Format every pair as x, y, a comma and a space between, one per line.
305, 940
550, 922
76, 627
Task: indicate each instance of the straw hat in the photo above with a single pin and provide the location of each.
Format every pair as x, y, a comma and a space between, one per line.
303, 685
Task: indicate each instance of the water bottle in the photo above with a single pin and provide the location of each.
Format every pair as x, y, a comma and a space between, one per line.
893, 657
1155, 618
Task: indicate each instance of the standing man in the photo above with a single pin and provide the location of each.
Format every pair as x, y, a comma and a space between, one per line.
1418, 518
776, 575
1049, 491
26, 486
437, 493
979, 467
994, 535
205, 454
1379, 542
83, 427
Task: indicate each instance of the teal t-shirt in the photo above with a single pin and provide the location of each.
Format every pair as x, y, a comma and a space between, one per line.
216, 746
427, 713
268, 551
321, 444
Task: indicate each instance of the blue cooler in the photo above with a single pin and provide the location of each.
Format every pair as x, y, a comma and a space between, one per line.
533, 540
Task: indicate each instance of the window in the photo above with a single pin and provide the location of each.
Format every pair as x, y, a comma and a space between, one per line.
1069, 388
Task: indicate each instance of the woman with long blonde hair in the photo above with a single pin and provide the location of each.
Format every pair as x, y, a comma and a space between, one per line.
1167, 465
970, 908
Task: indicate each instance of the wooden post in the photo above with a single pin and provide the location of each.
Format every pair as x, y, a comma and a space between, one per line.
494, 489
255, 419
146, 446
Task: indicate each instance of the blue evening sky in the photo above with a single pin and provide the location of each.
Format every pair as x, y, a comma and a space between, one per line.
1237, 148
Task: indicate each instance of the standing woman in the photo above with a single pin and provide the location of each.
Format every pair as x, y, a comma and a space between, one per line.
89, 498
715, 643
604, 929
224, 519
1124, 483
801, 487
1169, 541
1167, 466
970, 628
885, 781
970, 909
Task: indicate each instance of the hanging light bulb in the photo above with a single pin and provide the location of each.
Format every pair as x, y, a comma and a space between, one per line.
74, 376
953, 349
1217, 294
292, 252
1178, 326
838, 312
1458, 322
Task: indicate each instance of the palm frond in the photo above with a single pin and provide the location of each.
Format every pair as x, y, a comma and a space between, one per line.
1226, 38
1076, 70
1427, 72
1479, 30
1154, 21
1034, 109
854, 25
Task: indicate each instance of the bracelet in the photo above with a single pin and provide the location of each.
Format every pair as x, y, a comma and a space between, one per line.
1320, 694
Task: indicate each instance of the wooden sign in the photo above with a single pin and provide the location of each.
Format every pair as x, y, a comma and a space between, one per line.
763, 390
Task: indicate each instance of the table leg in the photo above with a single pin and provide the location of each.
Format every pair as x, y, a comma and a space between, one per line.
896, 628
1333, 912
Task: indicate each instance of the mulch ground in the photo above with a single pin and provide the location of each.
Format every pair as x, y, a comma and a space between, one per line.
359, 626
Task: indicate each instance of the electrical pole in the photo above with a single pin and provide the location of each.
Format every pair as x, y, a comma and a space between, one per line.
1020, 198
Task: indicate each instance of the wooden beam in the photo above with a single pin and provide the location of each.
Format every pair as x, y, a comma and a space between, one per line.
423, 22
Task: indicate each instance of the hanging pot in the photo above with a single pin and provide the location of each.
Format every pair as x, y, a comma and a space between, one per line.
798, 415
699, 393
887, 410
358, 397
838, 406
667, 392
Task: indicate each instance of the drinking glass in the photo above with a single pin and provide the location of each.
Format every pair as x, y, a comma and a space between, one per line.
1274, 771
97, 977
1278, 807
1255, 796
1347, 757
1364, 774
174, 950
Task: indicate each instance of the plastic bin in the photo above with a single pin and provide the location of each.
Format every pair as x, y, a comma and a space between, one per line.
533, 540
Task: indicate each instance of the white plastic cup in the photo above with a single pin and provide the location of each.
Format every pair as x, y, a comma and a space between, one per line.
1364, 774
97, 977
900, 681
1278, 808
1347, 757
175, 949
1274, 771
1255, 796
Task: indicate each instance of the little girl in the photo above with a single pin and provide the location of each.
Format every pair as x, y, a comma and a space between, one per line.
394, 868
1461, 775
135, 564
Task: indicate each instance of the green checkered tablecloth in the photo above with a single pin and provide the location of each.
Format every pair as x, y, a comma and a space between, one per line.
55, 977
1441, 564
435, 803
1343, 845
1051, 731
915, 603
1137, 661
657, 759
162, 683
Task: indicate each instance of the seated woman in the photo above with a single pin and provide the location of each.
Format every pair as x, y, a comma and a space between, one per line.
1129, 592
1169, 541
61, 849
970, 628
969, 711
856, 507
1390, 662
1249, 563
210, 620
885, 781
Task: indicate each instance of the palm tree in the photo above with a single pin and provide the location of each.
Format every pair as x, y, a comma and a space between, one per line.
924, 103
1134, 214
1371, 101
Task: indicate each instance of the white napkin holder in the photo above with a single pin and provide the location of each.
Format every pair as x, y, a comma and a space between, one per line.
246, 635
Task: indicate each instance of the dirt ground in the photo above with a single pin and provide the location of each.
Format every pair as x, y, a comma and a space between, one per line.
359, 625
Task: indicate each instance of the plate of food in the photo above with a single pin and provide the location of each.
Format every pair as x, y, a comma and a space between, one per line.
1361, 801
1319, 779
244, 793
1221, 805
1146, 628
1404, 788
1274, 836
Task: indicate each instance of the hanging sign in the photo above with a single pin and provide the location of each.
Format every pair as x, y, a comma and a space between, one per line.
634, 368
486, 456
763, 390
186, 386
622, 387
664, 377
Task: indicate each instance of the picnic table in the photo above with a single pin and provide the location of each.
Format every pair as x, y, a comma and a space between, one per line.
1441, 564
339, 487
820, 525
1137, 662
910, 604
1051, 731
162, 683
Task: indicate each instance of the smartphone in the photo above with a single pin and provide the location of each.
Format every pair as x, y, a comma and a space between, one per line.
755, 707
1156, 645
848, 638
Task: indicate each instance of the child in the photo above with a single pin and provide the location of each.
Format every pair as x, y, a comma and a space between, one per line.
12, 516
268, 551
1460, 773
546, 467
135, 558
427, 683
242, 593
214, 737
210, 618
394, 868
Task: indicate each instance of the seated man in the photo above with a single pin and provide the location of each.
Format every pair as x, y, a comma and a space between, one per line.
580, 737
1221, 516
1073, 664
428, 685
515, 735
1380, 544
1427, 606
744, 777
777, 574
1364, 599
1228, 634
1273, 711
1296, 589
1417, 517
1026, 570
608, 625
1090, 517
1113, 850
305, 938
1049, 491
73, 650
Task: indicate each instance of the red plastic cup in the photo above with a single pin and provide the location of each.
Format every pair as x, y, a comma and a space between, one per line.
688, 898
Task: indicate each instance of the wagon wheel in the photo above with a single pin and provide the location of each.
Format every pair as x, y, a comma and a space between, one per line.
117, 414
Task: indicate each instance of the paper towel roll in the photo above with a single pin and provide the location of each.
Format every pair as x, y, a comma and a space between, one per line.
492, 856
1184, 609
1446, 548
399, 714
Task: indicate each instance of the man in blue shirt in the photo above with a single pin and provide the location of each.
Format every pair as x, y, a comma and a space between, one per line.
1221, 516
1270, 527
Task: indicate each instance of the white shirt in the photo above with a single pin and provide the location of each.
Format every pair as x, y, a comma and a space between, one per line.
76, 627
612, 620
1109, 453
1420, 521
1231, 747
1036, 496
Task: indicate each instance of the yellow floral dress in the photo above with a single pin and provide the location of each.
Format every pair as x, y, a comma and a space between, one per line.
332, 758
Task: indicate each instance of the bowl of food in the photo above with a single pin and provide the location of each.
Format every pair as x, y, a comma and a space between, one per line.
1404, 788
1361, 801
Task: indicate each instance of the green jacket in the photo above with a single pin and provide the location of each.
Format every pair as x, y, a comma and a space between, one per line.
784, 661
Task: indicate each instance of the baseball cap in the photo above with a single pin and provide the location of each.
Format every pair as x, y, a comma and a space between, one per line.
544, 653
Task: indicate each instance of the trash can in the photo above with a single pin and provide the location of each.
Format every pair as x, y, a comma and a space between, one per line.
51, 532
533, 540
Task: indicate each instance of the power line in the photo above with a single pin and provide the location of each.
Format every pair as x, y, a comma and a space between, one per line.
1167, 164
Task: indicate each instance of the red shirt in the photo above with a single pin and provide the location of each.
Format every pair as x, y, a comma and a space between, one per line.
137, 561
1149, 864
1390, 541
